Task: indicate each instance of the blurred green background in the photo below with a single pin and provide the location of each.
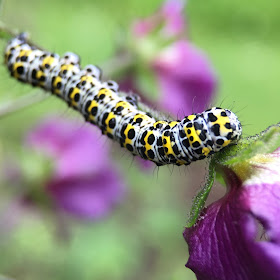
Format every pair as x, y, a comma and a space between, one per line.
142, 239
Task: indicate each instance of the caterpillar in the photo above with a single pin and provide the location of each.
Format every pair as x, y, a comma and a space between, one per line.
164, 142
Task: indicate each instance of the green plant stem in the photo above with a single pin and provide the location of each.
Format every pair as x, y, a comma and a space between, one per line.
7, 33
116, 65
21, 103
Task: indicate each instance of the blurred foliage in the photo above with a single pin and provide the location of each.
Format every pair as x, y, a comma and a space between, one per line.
142, 239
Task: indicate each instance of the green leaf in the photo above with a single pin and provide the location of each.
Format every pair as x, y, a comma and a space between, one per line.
266, 142
219, 178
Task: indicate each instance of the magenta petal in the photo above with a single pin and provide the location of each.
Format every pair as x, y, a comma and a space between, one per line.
88, 153
141, 28
173, 13
224, 244
51, 136
169, 19
186, 78
88, 198
77, 149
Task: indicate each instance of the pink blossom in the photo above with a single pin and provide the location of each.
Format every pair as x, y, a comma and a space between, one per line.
84, 182
185, 77
238, 236
170, 17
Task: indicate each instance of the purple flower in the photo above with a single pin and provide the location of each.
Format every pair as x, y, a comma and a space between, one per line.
185, 78
170, 17
84, 182
238, 237
173, 13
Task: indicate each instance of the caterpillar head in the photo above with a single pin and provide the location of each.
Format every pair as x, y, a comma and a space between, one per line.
223, 126
235, 125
